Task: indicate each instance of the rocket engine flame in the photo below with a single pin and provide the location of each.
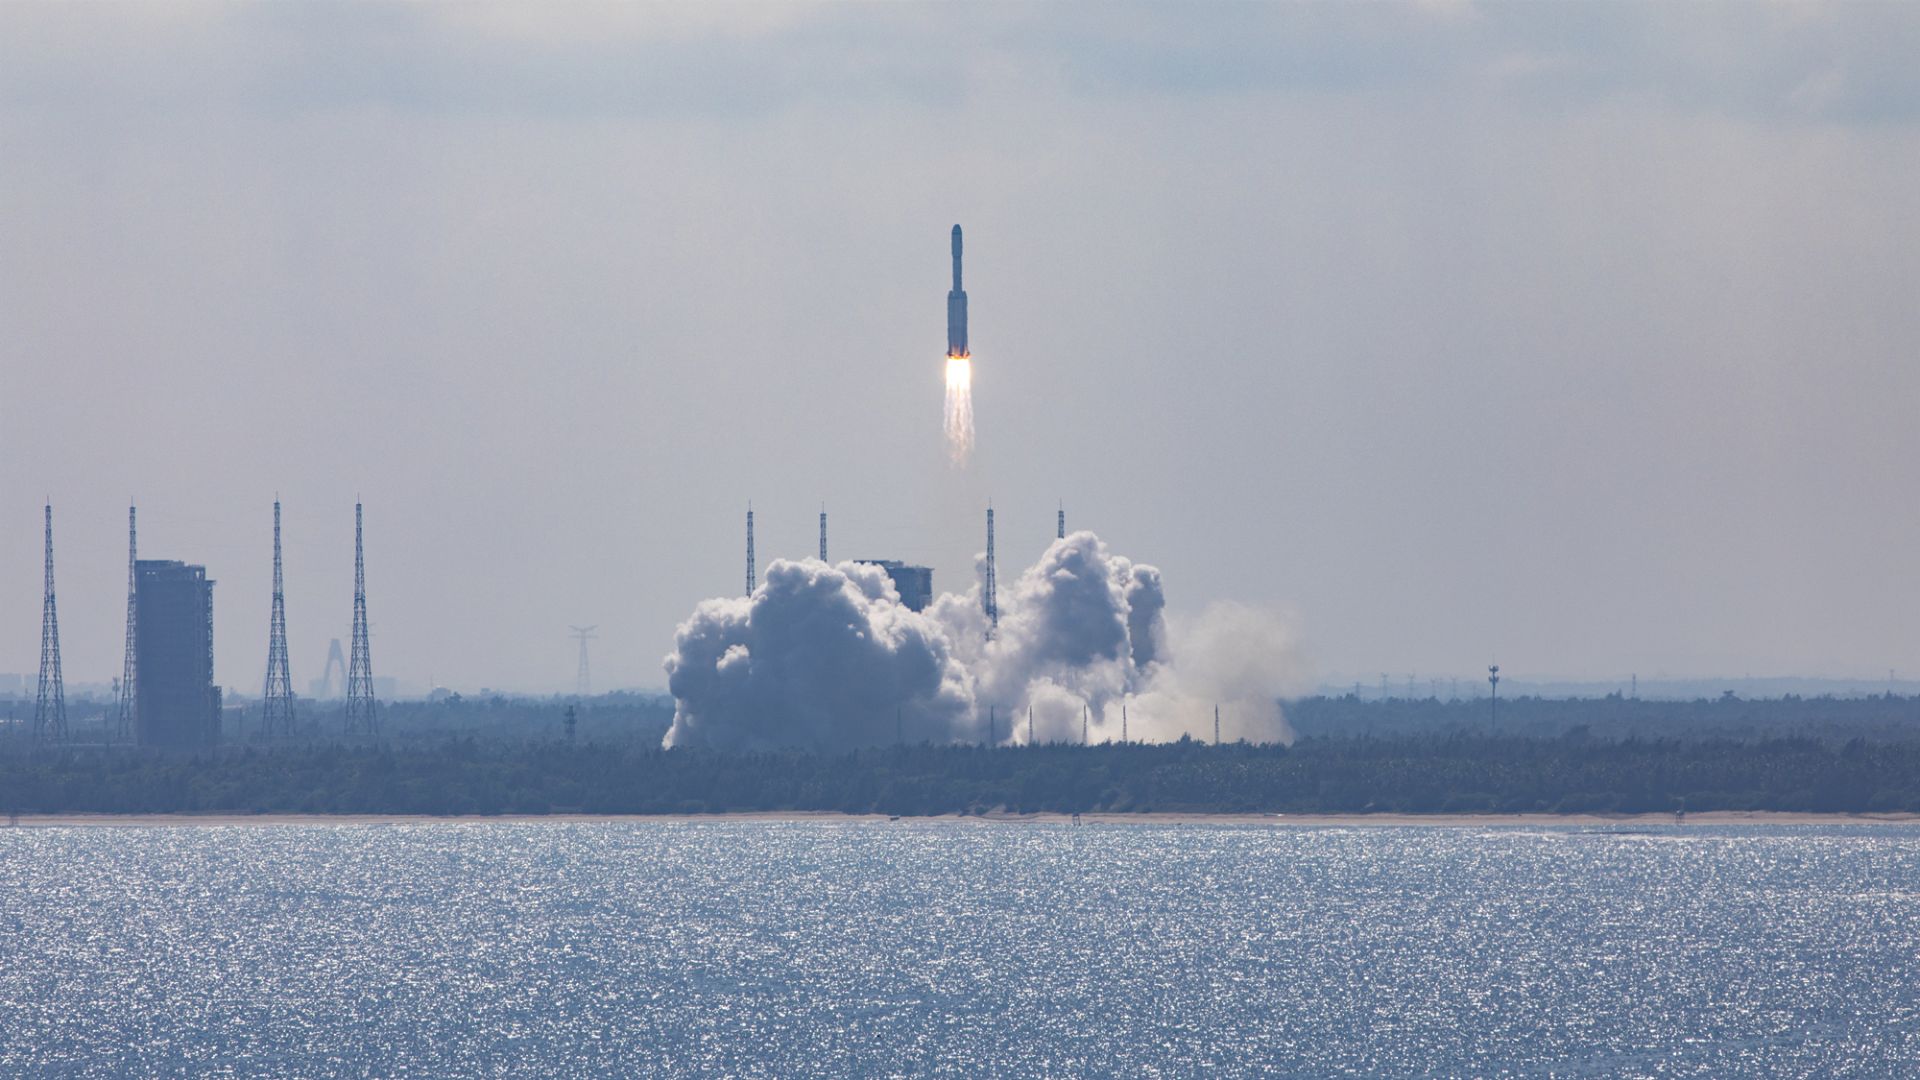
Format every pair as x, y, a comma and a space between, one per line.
959, 409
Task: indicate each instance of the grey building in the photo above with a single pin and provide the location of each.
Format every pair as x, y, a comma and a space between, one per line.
913, 583
177, 706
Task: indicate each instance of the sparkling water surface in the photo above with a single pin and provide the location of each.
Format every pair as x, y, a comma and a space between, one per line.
947, 948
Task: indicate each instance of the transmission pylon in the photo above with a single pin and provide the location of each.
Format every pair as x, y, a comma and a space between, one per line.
336, 661
583, 681
130, 663
823, 534
50, 706
1060, 523
988, 587
276, 701
361, 709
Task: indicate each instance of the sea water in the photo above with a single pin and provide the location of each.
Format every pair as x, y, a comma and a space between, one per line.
862, 948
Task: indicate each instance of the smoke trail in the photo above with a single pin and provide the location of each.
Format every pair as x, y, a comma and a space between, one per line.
827, 657
959, 409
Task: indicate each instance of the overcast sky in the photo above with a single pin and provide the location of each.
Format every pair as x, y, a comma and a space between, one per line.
1580, 338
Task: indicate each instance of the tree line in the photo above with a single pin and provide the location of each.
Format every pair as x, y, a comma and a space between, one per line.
1456, 772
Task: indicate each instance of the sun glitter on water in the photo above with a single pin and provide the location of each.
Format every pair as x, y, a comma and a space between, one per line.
959, 409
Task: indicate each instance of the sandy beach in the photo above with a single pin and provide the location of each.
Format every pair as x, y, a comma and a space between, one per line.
1724, 817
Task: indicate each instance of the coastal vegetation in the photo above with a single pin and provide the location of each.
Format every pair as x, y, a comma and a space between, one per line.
1454, 772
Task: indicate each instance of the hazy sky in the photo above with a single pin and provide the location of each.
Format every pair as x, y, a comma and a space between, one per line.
1583, 338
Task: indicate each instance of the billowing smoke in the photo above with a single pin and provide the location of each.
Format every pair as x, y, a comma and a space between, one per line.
827, 657
819, 655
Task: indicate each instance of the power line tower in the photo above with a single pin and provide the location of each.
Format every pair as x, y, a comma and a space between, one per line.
129, 664
583, 681
823, 534
276, 701
1060, 523
50, 706
988, 588
336, 661
750, 575
361, 710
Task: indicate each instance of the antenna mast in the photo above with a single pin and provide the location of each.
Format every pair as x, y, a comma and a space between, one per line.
823, 534
276, 701
361, 707
50, 706
129, 665
1060, 523
749, 549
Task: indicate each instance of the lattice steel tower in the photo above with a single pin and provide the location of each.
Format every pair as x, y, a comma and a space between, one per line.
823, 534
989, 587
276, 701
583, 680
50, 706
749, 549
130, 664
360, 704
1060, 523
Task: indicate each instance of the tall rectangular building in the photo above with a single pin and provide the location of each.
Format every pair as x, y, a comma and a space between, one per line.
913, 583
178, 705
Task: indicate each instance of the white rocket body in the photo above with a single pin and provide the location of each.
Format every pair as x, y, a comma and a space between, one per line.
957, 306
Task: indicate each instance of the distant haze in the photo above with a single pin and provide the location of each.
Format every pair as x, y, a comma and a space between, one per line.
1580, 338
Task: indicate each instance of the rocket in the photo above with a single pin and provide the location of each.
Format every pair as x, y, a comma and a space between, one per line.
957, 307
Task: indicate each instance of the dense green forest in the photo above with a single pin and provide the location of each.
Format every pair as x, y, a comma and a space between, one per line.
1880, 717
1409, 773
642, 719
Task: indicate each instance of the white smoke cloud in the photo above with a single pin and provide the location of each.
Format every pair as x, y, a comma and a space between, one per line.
822, 656
827, 657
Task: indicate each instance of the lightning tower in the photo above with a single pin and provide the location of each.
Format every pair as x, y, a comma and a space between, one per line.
129, 664
360, 704
989, 586
583, 681
50, 706
276, 701
750, 576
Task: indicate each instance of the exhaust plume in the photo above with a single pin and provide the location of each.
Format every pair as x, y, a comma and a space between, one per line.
827, 657
959, 421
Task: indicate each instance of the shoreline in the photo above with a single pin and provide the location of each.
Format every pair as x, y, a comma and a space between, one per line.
1714, 818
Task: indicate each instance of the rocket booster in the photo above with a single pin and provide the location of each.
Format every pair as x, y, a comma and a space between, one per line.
957, 307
